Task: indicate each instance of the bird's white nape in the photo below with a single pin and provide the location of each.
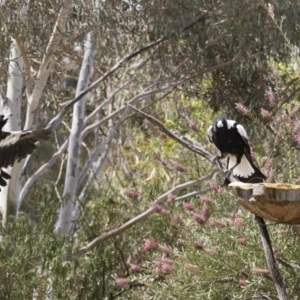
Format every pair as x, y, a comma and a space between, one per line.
243, 169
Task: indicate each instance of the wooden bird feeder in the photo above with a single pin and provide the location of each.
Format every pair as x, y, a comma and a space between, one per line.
277, 202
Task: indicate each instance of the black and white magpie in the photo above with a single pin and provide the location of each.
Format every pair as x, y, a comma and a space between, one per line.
16, 145
231, 139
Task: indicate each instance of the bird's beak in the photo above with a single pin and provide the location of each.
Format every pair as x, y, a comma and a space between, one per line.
7, 116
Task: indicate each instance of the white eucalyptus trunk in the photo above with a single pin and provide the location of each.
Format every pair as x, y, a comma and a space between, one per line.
12, 104
63, 223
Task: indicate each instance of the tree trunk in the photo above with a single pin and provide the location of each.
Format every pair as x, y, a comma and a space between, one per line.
63, 223
12, 103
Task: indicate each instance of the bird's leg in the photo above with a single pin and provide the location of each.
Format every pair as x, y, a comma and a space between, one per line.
218, 157
216, 160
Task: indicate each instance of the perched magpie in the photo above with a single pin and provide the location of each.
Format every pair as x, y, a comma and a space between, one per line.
231, 139
16, 145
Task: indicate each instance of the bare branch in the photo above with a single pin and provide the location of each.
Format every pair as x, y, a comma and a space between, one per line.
108, 100
140, 217
54, 123
141, 96
59, 177
287, 264
44, 167
96, 151
196, 193
96, 168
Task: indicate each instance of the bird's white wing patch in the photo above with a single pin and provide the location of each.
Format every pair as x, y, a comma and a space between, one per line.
241, 130
209, 132
230, 123
243, 169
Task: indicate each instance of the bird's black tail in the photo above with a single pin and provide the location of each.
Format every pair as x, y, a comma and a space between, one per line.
256, 177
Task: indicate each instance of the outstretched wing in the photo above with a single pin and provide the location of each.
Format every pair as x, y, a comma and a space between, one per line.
14, 146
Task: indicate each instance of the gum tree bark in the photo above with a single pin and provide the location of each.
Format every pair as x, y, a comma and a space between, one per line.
70, 188
12, 103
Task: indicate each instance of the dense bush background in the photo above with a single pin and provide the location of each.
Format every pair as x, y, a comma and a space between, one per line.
241, 62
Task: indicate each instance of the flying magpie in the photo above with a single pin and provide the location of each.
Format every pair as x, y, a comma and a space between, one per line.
16, 145
231, 139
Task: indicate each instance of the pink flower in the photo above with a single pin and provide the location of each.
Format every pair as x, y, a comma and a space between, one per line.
132, 194
200, 219
217, 188
241, 240
239, 223
205, 198
272, 98
260, 272
191, 267
177, 221
242, 281
241, 108
171, 198
217, 223
271, 175
165, 249
295, 125
159, 209
123, 282
213, 251
297, 139
182, 242
265, 114
149, 245
162, 267
188, 206
198, 245
193, 126
270, 10
279, 119
178, 167
135, 268
205, 211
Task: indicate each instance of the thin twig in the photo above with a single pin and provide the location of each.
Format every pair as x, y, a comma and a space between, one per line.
44, 167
